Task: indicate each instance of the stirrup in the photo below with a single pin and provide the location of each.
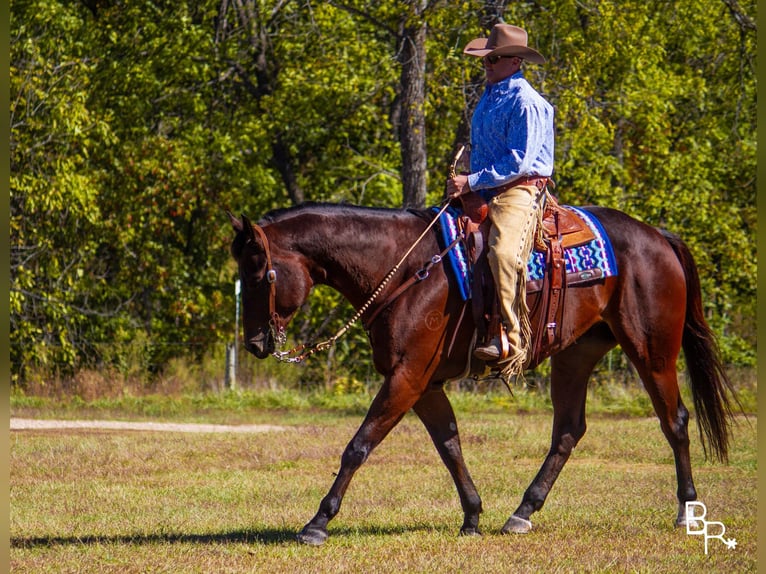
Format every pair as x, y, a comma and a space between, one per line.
490, 352
497, 349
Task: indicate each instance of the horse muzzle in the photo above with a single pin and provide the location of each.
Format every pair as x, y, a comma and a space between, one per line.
261, 344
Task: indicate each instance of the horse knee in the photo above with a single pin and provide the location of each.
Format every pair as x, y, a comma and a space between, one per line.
453, 449
355, 455
569, 440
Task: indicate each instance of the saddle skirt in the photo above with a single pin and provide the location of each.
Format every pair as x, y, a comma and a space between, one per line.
588, 252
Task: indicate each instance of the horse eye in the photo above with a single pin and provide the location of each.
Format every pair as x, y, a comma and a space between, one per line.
252, 270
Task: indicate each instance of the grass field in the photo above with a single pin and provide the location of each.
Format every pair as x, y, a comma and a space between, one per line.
98, 501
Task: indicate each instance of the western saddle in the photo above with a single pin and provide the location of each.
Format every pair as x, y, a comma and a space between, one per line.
561, 229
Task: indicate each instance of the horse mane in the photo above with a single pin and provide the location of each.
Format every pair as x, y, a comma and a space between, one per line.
311, 207
320, 208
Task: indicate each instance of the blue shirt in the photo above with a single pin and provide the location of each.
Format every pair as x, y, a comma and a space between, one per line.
511, 134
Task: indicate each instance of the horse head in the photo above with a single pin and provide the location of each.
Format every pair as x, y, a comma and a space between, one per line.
274, 284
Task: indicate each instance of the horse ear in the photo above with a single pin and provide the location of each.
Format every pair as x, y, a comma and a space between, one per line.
235, 223
248, 228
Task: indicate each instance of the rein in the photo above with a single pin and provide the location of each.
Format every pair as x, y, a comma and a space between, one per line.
277, 326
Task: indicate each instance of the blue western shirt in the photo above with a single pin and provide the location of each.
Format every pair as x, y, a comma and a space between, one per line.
511, 134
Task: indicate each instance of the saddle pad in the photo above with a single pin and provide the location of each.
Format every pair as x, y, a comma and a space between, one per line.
457, 259
596, 254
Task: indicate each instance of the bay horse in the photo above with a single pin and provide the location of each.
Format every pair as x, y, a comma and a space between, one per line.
423, 337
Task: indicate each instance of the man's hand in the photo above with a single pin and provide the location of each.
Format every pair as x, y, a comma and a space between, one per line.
457, 186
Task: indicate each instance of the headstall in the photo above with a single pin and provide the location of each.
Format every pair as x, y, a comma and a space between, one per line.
275, 322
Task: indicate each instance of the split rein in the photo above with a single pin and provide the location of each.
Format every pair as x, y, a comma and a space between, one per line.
301, 352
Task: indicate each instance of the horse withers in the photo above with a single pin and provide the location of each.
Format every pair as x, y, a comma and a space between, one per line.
422, 337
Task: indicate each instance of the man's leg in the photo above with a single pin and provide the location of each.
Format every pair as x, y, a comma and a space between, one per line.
514, 215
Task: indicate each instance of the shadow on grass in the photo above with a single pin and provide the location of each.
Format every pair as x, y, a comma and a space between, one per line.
265, 537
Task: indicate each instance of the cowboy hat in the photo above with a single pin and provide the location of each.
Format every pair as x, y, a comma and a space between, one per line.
504, 40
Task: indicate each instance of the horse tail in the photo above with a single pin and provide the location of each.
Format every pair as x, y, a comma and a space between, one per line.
710, 385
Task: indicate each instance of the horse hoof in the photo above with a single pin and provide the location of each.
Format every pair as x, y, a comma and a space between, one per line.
312, 536
472, 531
689, 524
517, 525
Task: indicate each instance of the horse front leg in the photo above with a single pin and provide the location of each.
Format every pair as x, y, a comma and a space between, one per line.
436, 413
387, 409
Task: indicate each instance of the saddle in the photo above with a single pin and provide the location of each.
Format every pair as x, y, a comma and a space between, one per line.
560, 229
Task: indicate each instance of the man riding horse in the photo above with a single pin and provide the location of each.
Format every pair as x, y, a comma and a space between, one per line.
511, 163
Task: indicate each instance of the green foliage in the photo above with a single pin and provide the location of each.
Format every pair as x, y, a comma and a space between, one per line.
659, 121
135, 124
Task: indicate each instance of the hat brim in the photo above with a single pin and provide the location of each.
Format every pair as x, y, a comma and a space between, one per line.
478, 48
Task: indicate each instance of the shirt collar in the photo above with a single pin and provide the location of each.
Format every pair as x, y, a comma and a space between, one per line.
504, 84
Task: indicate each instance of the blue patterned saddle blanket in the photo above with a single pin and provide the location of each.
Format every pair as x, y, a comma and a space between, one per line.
592, 260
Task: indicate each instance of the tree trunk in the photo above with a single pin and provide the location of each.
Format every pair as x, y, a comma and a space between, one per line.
490, 14
412, 129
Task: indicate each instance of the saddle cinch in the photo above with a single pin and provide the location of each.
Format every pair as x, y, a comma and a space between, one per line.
561, 229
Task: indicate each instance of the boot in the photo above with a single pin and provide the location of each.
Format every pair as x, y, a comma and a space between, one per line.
492, 351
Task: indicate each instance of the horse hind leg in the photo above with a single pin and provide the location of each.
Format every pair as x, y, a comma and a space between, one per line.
655, 362
435, 411
686, 491
661, 382
570, 371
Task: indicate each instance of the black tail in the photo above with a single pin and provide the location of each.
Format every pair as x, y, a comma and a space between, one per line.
711, 387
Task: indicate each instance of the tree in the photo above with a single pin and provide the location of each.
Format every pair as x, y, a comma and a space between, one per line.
251, 27
135, 124
53, 188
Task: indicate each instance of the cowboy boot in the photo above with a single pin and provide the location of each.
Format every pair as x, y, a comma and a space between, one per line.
496, 349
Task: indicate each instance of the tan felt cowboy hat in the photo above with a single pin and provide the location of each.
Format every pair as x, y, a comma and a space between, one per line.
504, 40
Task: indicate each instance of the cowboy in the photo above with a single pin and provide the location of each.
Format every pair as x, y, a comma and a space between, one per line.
511, 162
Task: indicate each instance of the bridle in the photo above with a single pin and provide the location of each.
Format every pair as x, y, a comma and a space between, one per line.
276, 324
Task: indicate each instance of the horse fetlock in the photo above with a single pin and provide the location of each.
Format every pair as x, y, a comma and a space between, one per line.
471, 506
534, 499
328, 508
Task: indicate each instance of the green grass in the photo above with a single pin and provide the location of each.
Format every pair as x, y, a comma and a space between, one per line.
606, 395
152, 502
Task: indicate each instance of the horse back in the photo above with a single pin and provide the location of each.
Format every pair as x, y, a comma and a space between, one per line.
649, 279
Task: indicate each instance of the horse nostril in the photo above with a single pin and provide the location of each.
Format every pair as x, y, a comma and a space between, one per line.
251, 346
258, 345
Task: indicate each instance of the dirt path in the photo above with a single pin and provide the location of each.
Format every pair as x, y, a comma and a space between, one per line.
38, 424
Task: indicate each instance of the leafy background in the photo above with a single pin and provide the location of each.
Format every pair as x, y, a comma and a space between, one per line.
134, 125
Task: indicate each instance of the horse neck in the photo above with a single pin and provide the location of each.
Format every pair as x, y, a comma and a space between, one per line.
350, 253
